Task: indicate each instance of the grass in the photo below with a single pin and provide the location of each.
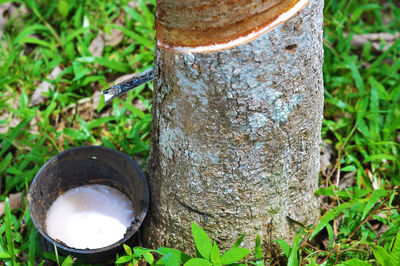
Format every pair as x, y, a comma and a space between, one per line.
361, 118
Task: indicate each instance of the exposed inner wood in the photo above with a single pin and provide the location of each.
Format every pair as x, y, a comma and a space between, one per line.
205, 23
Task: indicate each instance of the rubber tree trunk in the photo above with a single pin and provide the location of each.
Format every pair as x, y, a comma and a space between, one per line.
235, 137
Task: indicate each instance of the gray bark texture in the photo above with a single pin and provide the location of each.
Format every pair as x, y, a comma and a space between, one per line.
235, 138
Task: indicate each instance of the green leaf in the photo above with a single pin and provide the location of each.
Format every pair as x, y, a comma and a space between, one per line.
128, 250
202, 241
4, 255
234, 255
68, 261
395, 253
138, 251
349, 168
63, 8
382, 256
123, 259
331, 234
179, 255
215, 253
329, 191
376, 195
169, 260
76, 134
197, 262
312, 262
149, 258
355, 262
238, 241
284, 246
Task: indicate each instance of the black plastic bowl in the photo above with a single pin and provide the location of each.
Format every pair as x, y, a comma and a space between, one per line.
83, 166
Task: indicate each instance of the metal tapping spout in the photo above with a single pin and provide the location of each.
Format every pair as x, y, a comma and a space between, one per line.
127, 85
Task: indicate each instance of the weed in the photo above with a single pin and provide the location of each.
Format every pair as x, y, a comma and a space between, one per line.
208, 253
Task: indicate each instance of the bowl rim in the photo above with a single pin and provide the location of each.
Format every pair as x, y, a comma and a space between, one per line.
87, 251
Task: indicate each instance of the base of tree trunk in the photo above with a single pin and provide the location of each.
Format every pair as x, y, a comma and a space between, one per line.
235, 138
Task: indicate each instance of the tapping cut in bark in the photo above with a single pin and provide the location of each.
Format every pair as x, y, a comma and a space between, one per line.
206, 26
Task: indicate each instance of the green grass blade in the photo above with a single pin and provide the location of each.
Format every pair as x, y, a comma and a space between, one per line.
293, 259
8, 229
329, 216
258, 250
239, 241
376, 195
384, 55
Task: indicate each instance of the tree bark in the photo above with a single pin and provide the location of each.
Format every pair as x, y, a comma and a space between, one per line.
235, 137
